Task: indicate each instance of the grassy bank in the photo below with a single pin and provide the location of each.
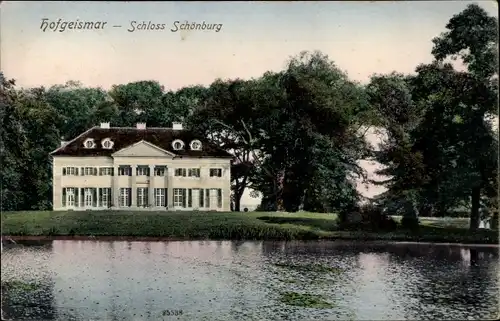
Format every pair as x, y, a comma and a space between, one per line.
231, 226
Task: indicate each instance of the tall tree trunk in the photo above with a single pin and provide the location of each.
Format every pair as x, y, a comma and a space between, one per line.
237, 202
238, 193
474, 214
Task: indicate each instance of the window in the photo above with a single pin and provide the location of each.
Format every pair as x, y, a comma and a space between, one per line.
124, 197
178, 144
70, 171
142, 197
89, 171
219, 198
180, 172
160, 196
107, 143
105, 197
160, 170
179, 197
89, 199
89, 143
215, 172
142, 171
124, 171
194, 172
69, 197
195, 145
106, 171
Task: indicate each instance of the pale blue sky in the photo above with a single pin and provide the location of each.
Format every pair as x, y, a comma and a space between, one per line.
361, 37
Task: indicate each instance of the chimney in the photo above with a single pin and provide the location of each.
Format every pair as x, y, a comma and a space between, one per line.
105, 125
141, 125
176, 126
63, 143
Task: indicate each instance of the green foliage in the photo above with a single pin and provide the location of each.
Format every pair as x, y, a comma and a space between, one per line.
297, 135
219, 225
441, 150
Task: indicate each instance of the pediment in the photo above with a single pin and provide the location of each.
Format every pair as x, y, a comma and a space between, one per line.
143, 149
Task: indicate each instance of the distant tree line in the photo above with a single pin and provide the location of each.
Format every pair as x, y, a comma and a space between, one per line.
297, 135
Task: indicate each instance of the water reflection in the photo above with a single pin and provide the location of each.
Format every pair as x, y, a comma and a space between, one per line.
243, 280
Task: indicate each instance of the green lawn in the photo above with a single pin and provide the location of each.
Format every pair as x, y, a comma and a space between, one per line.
217, 225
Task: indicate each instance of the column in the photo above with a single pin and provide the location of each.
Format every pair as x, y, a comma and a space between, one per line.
151, 196
169, 172
115, 188
133, 192
97, 197
226, 198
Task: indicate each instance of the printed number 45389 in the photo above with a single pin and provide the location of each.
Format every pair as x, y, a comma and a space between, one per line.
172, 312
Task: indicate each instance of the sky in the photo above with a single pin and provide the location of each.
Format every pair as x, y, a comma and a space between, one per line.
362, 38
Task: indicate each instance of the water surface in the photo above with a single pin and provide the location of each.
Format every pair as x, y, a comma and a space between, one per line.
210, 280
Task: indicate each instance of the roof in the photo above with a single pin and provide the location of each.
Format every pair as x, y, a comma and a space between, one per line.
123, 137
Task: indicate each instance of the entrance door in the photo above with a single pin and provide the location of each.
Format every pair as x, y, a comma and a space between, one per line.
70, 198
88, 197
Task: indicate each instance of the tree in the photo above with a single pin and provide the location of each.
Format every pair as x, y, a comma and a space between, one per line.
391, 97
13, 146
139, 101
228, 116
78, 106
29, 134
473, 36
315, 124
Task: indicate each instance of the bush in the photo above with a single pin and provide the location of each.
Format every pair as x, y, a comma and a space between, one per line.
410, 222
372, 218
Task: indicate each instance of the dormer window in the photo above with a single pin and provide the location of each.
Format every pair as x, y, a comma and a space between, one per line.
178, 144
195, 145
89, 143
107, 143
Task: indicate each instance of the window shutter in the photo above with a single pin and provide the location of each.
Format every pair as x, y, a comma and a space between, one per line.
183, 197
201, 197
95, 171
76, 170
130, 172
82, 171
64, 197
76, 192
219, 198
64, 171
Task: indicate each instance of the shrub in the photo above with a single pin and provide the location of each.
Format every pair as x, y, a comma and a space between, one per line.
410, 222
372, 218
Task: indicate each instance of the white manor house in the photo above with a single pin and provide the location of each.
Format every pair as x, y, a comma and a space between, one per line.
140, 168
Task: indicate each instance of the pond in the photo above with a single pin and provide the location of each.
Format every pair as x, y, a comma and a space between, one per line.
219, 280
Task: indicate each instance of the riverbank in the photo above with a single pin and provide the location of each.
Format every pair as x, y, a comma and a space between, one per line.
221, 226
